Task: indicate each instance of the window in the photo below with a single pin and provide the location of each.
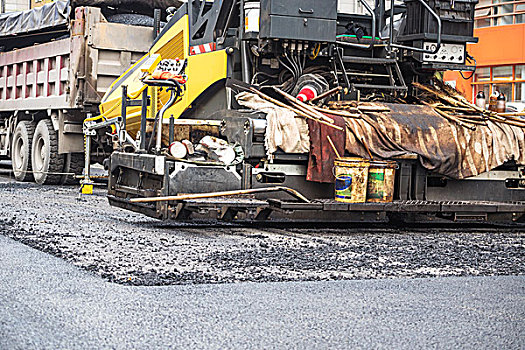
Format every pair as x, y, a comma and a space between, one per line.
502, 73
499, 12
482, 74
520, 10
519, 92
506, 89
503, 11
520, 72
483, 12
510, 80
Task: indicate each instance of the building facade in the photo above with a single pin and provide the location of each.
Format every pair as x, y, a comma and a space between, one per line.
14, 5
499, 54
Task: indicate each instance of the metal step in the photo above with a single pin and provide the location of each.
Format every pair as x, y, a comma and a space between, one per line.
388, 64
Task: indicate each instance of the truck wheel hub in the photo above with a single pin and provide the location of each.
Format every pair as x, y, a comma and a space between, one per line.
40, 154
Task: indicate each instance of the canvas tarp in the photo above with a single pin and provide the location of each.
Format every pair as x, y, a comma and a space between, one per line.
321, 157
283, 129
57, 14
443, 147
129, 4
43, 18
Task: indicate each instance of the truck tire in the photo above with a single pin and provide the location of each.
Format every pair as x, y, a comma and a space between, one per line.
47, 164
73, 164
21, 151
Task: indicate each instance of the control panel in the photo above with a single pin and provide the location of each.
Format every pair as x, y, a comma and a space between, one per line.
447, 53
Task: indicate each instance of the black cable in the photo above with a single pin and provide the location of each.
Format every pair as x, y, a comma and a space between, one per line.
178, 90
291, 70
297, 72
299, 63
470, 58
282, 76
293, 64
285, 66
273, 76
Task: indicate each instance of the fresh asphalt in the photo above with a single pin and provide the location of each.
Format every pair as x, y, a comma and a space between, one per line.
47, 303
129, 248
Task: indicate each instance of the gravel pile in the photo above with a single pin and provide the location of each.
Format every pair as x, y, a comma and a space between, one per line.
132, 19
132, 249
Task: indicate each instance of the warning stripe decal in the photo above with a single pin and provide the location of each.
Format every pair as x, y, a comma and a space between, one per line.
195, 50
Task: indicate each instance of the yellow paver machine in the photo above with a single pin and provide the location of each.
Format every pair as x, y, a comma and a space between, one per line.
310, 111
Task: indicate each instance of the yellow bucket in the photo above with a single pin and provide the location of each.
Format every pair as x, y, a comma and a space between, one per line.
351, 178
381, 175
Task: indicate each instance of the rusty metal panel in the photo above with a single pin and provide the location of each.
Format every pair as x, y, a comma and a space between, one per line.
72, 73
41, 51
111, 48
115, 36
115, 48
35, 77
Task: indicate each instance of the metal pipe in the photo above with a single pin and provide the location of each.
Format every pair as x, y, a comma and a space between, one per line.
369, 9
288, 190
341, 63
123, 113
156, 23
245, 63
380, 8
161, 117
391, 25
172, 129
143, 114
109, 122
359, 46
87, 157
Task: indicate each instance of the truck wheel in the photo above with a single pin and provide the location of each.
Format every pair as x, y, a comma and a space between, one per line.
45, 159
21, 151
73, 164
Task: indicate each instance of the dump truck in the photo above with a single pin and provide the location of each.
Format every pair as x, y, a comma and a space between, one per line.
56, 63
273, 110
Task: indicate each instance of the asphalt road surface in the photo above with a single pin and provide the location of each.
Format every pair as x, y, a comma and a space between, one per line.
102, 277
130, 248
47, 303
